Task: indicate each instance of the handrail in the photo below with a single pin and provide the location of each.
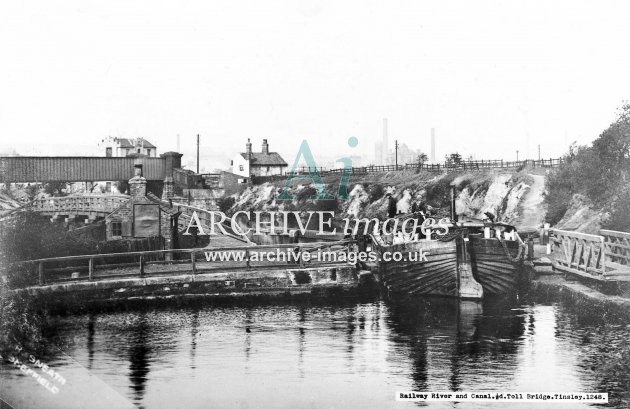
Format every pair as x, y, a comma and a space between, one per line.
580, 253
188, 251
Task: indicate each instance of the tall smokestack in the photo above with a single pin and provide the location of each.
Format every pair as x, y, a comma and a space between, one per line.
385, 146
432, 145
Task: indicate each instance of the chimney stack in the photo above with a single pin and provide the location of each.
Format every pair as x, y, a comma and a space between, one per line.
265, 146
137, 184
248, 149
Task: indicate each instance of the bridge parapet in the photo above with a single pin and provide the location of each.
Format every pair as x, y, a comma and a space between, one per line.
580, 253
84, 204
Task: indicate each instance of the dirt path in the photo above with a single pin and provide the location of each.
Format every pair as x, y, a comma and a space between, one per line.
531, 208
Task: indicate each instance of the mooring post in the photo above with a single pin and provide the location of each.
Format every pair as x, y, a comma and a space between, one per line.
453, 209
91, 269
141, 265
40, 269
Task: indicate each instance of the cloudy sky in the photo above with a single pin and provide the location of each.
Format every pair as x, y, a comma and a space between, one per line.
491, 76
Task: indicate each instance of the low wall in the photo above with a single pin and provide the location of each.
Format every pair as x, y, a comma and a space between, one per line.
329, 281
586, 301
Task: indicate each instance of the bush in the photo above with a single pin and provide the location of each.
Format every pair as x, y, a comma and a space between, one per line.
376, 192
301, 277
306, 193
32, 236
225, 203
620, 214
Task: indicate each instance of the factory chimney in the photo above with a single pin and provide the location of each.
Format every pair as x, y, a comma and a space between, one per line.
432, 145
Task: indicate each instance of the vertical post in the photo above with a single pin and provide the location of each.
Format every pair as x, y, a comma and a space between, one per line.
193, 262
247, 259
142, 266
197, 153
40, 270
453, 210
91, 269
602, 252
396, 149
530, 248
459, 243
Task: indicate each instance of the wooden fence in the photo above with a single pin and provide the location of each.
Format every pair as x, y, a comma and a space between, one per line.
470, 165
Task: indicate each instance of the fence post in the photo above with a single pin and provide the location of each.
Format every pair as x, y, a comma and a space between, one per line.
141, 265
91, 269
40, 269
602, 250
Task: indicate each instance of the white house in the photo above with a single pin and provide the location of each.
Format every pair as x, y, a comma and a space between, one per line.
264, 163
121, 147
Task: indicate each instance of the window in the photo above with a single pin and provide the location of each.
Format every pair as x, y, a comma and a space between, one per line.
138, 150
148, 152
117, 229
240, 167
108, 152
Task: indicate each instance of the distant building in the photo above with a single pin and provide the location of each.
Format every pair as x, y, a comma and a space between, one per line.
405, 155
121, 147
264, 163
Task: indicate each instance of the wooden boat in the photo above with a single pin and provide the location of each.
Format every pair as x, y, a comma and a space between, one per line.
439, 268
481, 257
497, 263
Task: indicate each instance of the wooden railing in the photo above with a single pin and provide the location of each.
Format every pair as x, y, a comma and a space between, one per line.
579, 253
617, 245
466, 165
179, 261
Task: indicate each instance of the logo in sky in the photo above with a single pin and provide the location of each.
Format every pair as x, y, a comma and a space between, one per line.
313, 174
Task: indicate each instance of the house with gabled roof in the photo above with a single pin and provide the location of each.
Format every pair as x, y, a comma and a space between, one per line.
263, 163
121, 147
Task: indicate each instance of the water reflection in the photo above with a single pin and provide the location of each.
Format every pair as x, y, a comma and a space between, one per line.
353, 355
139, 356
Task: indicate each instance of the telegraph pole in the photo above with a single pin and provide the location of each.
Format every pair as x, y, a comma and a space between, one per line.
517, 155
396, 149
197, 153
538, 152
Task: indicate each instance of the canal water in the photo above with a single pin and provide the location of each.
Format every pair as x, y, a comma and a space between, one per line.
305, 355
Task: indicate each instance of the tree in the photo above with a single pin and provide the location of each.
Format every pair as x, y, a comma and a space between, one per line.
422, 159
122, 186
599, 171
454, 159
56, 188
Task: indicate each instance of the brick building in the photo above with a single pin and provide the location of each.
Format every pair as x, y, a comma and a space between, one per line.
265, 163
144, 215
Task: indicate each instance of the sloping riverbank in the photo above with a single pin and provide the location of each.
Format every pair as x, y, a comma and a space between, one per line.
512, 197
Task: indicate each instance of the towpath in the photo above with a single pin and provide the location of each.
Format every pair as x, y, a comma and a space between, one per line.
532, 215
